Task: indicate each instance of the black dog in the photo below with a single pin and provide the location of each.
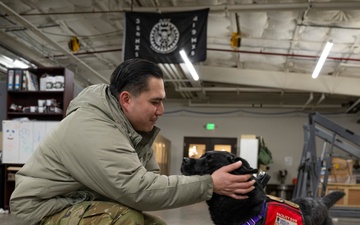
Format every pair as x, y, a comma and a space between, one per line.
228, 211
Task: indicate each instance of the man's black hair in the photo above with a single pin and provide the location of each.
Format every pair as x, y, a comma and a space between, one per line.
132, 76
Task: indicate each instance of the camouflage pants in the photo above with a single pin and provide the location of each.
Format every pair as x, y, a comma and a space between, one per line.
101, 213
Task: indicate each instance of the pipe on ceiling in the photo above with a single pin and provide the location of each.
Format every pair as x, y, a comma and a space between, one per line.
353, 106
322, 97
311, 97
227, 8
281, 54
191, 104
173, 76
233, 51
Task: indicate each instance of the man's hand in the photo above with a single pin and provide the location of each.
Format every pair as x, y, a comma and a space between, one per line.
235, 186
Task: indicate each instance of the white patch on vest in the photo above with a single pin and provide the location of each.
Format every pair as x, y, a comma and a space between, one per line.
284, 220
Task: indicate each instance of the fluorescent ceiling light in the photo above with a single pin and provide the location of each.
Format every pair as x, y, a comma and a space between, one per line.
6, 61
11, 63
189, 65
322, 59
20, 64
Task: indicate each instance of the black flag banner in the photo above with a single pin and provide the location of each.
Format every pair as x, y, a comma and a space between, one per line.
160, 36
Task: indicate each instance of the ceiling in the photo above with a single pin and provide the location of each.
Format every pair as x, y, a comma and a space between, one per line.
281, 42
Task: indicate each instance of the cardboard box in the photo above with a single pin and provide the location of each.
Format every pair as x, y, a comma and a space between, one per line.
341, 167
342, 179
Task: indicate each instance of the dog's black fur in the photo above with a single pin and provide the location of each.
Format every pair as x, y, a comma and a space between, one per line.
228, 211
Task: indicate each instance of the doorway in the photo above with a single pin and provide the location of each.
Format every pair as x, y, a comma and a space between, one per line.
194, 147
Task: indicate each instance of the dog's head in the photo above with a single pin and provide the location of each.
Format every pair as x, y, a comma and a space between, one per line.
224, 209
213, 160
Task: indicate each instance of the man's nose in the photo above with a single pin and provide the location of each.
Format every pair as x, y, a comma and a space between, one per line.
160, 110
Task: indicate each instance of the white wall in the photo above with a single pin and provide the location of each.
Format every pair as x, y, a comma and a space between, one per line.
3, 92
283, 133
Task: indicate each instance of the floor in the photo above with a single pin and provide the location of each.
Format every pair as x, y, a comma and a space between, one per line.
193, 214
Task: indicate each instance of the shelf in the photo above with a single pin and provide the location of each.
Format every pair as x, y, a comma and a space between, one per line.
36, 92
24, 98
14, 168
22, 114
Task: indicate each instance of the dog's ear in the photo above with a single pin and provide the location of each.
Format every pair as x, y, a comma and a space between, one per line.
233, 158
245, 168
250, 170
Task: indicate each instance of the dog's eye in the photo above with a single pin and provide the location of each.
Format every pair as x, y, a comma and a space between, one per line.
231, 158
209, 158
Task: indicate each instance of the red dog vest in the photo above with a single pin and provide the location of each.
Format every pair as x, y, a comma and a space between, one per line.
282, 212
277, 211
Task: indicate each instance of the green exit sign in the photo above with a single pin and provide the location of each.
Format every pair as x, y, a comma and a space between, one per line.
210, 126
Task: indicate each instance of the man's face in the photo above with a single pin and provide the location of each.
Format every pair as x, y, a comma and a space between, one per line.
143, 110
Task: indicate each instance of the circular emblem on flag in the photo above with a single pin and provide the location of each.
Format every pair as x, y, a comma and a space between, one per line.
164, 37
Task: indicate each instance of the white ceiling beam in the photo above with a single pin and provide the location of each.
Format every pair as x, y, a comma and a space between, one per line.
282, 80
44, 37
24, 51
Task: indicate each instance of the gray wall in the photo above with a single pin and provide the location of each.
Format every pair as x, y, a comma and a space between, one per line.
283, 132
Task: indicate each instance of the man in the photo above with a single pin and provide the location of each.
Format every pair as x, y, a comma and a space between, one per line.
97, 165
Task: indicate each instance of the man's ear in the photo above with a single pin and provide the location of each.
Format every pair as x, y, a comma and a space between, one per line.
124, 99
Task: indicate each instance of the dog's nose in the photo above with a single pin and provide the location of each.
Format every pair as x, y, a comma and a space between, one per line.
186, 160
